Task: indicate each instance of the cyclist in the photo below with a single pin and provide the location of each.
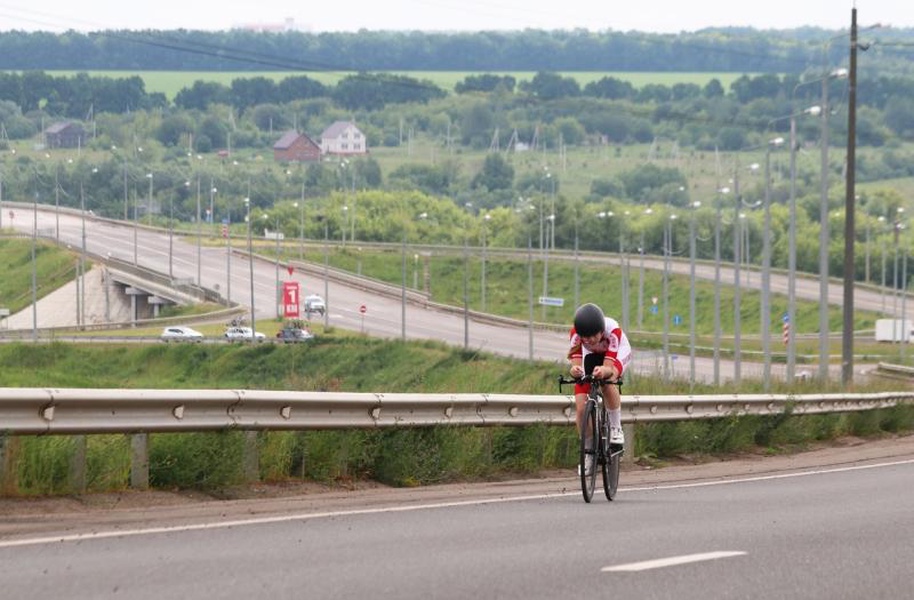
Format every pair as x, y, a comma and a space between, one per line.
599, 346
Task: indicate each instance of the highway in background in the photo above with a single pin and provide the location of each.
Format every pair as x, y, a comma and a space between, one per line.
383, 316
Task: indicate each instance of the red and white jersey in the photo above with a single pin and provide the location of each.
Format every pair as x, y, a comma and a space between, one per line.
613, 344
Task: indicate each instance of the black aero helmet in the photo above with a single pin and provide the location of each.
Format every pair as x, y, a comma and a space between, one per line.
589, 320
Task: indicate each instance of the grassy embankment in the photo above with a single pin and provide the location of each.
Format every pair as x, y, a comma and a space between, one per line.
337, 362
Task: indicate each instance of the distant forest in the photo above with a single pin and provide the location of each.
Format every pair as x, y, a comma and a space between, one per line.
742, 50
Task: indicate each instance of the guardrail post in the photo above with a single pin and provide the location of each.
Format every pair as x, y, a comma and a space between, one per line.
9, 476
629, 430
78, 464
251, 457
139, 461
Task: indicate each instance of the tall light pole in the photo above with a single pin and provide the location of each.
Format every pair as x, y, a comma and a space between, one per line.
228, 255
199, 233
847, 337
717, 324
57, 201
647, 211
403, 286
882, 223
550, 222
301, 224
485, 228
624, 266
737, 301
766, 269
823, 231
81, 280
212, 201
792, 255
667, 257
693, 316
345, 225
149, 200
171, 236
792, 252
247, 218
276, 261
35, 269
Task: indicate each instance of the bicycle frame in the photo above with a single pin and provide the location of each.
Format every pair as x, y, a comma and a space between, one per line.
595, 440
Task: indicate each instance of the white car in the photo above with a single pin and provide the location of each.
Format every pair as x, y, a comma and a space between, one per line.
315, 304
243, 333
181, 334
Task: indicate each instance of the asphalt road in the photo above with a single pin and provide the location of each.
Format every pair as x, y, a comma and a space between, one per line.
827, 532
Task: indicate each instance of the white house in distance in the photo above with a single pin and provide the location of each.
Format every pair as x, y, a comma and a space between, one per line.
343, 137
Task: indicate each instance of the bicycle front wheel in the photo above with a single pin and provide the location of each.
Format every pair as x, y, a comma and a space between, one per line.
589, 443
611, 467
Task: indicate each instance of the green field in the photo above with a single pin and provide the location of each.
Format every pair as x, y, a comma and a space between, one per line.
171, 82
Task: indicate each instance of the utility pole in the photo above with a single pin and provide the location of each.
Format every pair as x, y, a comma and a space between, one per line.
847, 340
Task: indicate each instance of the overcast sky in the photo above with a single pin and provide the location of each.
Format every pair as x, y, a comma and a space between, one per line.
666, 16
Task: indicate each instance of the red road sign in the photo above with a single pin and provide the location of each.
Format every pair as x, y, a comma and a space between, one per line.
363, 309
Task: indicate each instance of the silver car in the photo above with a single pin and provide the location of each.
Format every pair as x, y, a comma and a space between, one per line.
243, 333
181, 334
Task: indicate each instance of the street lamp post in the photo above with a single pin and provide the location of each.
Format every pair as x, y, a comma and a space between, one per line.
149, 200
247, 218
345, 225
823, 221
403, 287
550, 222
717, 324
200, 234
667, 258
647, 211
792, 255
792, 243
766, 269
692, 301
485, 229
276, 291
737, 308
171, 236
81, 282
301, 224
212, 201
882, 222
624, 267
228, 256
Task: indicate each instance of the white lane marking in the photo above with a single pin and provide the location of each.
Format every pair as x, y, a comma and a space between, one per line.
78, 537
672, 561
674, 486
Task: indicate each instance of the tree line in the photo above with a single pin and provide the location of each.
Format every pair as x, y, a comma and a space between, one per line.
743, 50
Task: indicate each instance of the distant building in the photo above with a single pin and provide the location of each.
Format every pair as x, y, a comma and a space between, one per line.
288, 24
343, 137
296, 147
65, 135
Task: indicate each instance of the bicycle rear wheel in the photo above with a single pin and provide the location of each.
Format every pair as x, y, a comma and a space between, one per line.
589, 444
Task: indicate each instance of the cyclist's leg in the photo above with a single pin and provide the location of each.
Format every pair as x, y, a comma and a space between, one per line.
580, 401
613, 399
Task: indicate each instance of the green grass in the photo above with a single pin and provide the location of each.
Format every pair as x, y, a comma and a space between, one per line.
53, 267
403, 457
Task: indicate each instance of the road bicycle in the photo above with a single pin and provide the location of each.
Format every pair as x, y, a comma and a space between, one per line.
595, 440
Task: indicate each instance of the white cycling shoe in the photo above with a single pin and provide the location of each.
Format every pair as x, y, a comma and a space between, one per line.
616, 436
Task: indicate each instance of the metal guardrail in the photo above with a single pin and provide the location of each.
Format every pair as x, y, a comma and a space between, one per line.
31, 411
